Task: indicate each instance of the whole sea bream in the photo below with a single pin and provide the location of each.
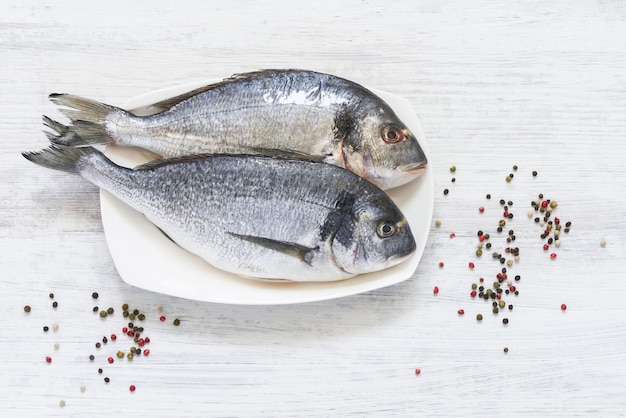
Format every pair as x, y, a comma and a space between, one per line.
273, 112
255, 216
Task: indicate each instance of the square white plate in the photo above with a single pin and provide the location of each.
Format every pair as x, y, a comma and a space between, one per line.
145, 258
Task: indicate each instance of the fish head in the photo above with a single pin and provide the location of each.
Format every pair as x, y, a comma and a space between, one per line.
376, 237
382, 149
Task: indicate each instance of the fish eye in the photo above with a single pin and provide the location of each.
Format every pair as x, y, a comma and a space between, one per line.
392, 134
386, 229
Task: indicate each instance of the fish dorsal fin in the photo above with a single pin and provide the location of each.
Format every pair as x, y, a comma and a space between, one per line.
301, 252
150, 165
166, 104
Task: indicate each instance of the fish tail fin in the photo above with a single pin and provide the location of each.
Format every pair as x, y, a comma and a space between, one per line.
88, 121
61, 157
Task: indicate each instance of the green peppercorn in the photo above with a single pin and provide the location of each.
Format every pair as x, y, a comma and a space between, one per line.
125, 314
479, 252
129, 356
479, 317
141, 317
125, 307
495, 310
453, 169
131, 316
120, 354
177, 322
103, 314
501, 303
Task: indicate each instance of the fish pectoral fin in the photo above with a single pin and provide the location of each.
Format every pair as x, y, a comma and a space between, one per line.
301, 252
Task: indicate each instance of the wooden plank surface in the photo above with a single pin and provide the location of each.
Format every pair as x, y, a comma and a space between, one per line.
541, 85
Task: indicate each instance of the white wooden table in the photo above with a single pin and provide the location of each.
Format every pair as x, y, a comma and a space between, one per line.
540, 85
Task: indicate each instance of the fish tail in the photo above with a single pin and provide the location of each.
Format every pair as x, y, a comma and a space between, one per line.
61, 157
88, 124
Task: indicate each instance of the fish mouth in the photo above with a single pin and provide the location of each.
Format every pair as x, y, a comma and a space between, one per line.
414, 168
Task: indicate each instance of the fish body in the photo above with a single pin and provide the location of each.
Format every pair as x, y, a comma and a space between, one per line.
273, 112
256, 216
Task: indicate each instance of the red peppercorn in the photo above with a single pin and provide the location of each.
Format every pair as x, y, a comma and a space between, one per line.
110, 360
440, 265
132, 388
481, 238
512, 288
417, 371
553, 255
146, 352
452, 235
544, 204
471, 265
473, 294
563, 307
505, 214
124, 330
147, 340
435, 290
162, 318
461, 312
546, 246
482, 279
557, 221
481, 209
499, 296
113, 337
141, 342
48, 359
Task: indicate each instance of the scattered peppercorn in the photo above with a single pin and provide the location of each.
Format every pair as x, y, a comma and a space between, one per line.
479, 317
110, 311
94, 295
435, 291
107, 380
505, 321
177, 322
45, 328
26, 308
92, 357
103, 314
48, 359
95, 309
534, 173
51, 295
132, 388
445, 191
563, 307
506, 349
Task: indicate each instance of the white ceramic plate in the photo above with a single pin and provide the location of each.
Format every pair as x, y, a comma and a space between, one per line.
145, 258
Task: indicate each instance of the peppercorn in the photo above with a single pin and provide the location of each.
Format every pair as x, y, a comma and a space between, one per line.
94, 295
534, 173
141, 317
506, 349
125, 307
95, 309
495, 310
51, 295
100, 371
98, 345
509, 178
103, 314
514, 168
129, 356
91, 357
479, 317
505, 321
510, 307
445, 191
105, 340
177, 322
45, 328
26, 308
453, 169
107, 380
120, 354
438, 223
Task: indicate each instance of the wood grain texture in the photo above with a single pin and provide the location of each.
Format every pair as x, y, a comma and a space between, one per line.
537, 84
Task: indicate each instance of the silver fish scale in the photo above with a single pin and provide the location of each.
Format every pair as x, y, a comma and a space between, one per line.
278, 109
207, 204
